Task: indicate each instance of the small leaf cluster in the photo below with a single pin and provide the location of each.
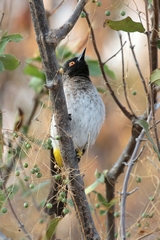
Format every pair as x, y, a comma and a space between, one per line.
8, 61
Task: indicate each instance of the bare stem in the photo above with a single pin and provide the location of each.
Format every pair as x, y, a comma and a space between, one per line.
123, 77
138, 68
154, 63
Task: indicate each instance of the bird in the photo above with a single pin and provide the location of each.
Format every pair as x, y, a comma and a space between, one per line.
86, 112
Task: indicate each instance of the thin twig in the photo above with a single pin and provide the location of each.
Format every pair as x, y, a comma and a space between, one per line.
1, 19
115, 53
56, 8
123, 77
123, 109
138, 68
126, 179
13, 212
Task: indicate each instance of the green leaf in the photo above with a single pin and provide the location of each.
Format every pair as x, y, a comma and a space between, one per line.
101, 90
33, 71
12, 190
109, 72
94, 67
3, 44
34, 59
52, 227
1, 67
37, 84
13, 37
2, 198
158, 43
102, 200
90, 188
145, 126
8, 38
102, 212
155, 77
9, 61
126, 25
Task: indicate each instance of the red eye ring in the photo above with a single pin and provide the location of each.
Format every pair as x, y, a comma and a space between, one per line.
71, 63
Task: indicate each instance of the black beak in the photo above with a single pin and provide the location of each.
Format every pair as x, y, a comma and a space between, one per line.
82, 56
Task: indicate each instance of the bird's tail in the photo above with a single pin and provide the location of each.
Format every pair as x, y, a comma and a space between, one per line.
56, 206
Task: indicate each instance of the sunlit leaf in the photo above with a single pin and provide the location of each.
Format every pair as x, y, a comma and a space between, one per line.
90, 188
51, 228
9, 61
126, 25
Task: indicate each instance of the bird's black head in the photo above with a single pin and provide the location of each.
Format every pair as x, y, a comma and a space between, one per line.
77, 66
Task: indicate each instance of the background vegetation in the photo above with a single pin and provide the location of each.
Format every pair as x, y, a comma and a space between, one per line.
26, 113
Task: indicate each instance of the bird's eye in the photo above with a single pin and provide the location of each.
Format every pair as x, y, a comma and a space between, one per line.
71, 63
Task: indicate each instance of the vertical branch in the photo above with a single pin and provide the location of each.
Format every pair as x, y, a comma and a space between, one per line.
148, 32
47, 44
154, 35
154, 62
138, 68
123, 77
110, 219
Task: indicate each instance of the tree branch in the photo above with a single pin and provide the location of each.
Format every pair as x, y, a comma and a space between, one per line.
154, 63
56, 35
55, 86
